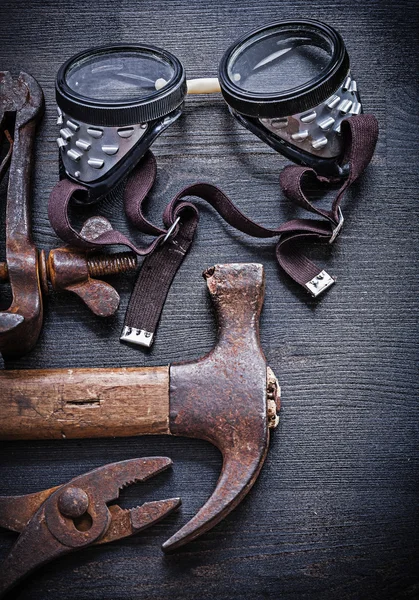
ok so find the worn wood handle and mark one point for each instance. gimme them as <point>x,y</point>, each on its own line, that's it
<point>81,403</point>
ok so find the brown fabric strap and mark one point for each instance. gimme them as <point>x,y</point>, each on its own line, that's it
<point>155,278</point>
<point>166,253</point>
<point>136,190</point>
<point>360,135</point>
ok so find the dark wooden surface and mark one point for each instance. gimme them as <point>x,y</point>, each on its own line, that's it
<point>334,512</point>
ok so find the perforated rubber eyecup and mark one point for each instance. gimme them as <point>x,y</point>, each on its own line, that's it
<point>285,82</point>
<point>113,102</point>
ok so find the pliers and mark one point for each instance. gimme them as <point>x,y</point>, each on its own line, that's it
<point>62,519</point>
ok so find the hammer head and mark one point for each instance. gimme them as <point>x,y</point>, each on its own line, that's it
<point>223,397</point>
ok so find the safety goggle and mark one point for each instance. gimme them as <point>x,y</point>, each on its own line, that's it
<point>288,82</point>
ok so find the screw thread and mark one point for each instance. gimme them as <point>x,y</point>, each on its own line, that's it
<point>99,266</point>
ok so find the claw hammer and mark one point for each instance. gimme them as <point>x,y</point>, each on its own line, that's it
<point>229,398</point>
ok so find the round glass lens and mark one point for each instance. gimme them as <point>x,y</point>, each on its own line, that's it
<point>279,59</point>
<point>119,76</point>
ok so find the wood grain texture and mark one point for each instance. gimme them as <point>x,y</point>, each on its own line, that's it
<point>81,403</point>
<point>334,511</point>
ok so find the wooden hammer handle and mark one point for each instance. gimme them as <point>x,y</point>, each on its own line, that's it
<point>81,403</point>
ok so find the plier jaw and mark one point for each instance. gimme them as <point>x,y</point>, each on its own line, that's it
<point>75,515</point>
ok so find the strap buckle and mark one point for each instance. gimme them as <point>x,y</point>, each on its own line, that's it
<point>171,230</point>
<point>338,227</point>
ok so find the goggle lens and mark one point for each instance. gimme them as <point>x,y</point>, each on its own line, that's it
<point>118,76</point>
<point>280,59</point>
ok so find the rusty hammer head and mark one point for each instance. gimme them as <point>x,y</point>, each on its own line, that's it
<point>228,397</point>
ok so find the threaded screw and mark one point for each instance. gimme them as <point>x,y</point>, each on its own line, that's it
<point>97,266</point>
<point>113,264</point>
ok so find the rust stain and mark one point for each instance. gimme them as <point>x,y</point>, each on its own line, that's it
<point>223,396</point>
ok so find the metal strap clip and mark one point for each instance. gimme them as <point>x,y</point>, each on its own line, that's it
<point>338,227</point>
<point>319,283</point>
<point>140,337</point>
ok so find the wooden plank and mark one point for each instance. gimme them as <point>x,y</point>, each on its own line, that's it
<point>333,514</point>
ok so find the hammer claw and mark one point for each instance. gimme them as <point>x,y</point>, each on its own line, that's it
<point>235,481</point>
